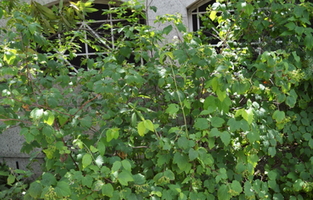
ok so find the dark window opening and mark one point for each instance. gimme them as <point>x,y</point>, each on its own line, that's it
<point>97,34</point>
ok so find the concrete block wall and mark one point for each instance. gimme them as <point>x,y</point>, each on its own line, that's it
<point>11,141</point>
<point>10,152</point>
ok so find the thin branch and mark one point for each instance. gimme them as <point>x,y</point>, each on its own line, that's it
<point>7,120</point>
<point>230,29</point>
<point>79,109</point>
<point>57,127</point>
<point>29,77</point>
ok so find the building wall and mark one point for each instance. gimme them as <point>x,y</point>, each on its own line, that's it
<point>11,141</point>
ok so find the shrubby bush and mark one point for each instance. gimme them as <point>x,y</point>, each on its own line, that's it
<point>165,120</point>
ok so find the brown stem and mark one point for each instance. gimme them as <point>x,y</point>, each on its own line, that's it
<point>56,125</point>
<point>7,120</point>
<point>224,42</point>
<point>29,78</point>
<point>79,109</point>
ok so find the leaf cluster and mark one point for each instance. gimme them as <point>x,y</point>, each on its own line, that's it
<point>167,120</point>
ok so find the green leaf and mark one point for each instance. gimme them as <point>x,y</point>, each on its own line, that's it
<point>153,8</point>
<point>236,186</point>
<point>181,27</point>
<point>214,132</point>
<point>149,125</point>
<point>126,51</point>
<point>281,97</point>
<point>24,131</point>
<point>233,124</point>
<point>213,15</point>
<point>167,29</point>
<point>52,102</point>
<point>87,159</point>
<point>311,143</point>
<point>126,164</point>
<point>112,133</point>
<point>10,56</point>
<point>10,179</point>
<point>32,28</point>
<point>193,154</point>
<point>4,173</point>
<point>183,142</point>
<point>225,137</point>
<point>253,136</point>
<point>36,113</point>
<point>240,167</point>
<point>48,131</point>
<point>298,11</point>
<point>244,125</point>
<point>172,109</point>
<point>308,41</point>
<point>48,117</point>
<point>221,94</point>
<point>124,177</point>
<point>217,121</point>
<point>248,190</point>
<point>97,186</point>
<point>169,174</point>
<point>279,115</point>
<point>35,189</point>
<point>272,151</point>
<point>1,13</point>
<point>248,116</point>
<point>201,124</point>
<point>29,137</point>
<point>86,121</point>
<point>222,193</point>
<point>291,101</point>
<point>163,159</point>
<point>134,119</point>
<point>116,166</point>
<point>249,9</point>
<point>48,179</point>
<point>290,25</point>
<point>299,31</point>
<point>210,101</point>
<point>181,160</point>
<point>298,185</point>
<point>107,190</point>
<point>141,128</point>
<point>63,189</point>
<point>99,161</point>
<point>101,148</point>
<point>87,181</point>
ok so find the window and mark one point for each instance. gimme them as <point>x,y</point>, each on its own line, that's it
<point>97,34</point>
<point>262,32</point>
<point>195,13</point>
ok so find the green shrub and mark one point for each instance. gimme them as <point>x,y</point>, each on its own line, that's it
<point>182,120</point>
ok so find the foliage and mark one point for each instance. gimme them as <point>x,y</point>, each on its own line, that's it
<point>12,184</point>
<point>161,120</point>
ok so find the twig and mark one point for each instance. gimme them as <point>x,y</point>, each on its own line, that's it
<point>79,109</point>
<point>56,125</point>
<point>230,29</point>
<point>29,78</point>
<point>7,120</point>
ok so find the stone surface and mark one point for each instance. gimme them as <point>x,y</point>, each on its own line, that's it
<point>23,164</point>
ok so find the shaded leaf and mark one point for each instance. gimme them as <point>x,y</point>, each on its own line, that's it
<point>87,159</point>
<point>124,177</point>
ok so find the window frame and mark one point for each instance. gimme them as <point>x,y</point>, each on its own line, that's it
<point>84,25</point>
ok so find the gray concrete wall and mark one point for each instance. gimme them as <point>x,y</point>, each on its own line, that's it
<point>11,141</point>
<point>168,7</point>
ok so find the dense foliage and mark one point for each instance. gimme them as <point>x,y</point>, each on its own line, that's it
<point>163,120</point>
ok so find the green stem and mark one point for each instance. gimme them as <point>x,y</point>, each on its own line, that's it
<point>180,102</point>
